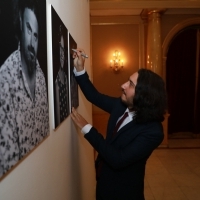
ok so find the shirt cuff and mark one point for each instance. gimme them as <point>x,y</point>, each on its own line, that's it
<point>79,73</point>
<point>86,128</point>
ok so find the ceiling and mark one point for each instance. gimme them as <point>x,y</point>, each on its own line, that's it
<point>134,7</point>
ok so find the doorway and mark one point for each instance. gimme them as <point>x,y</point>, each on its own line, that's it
<point>183,83</point>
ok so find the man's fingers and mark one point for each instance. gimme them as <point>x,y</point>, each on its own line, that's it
<point>80,50</point>
<point>75,115</point>
<point>74,112</point>
<point>78,119</point>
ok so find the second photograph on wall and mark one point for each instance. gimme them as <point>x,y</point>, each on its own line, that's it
<point>60,69</point>
<point>73,83</point>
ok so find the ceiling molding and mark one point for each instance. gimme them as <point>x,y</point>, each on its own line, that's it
<point>108,8</point>
<point>95,5</point>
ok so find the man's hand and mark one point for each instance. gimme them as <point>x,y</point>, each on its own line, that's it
<point>79,60</point>
<point>78,119</point>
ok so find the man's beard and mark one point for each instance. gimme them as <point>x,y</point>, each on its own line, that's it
<point>124,101</point>
<point>127,102</point>
<point>32,64</point>
<point>31,58</point>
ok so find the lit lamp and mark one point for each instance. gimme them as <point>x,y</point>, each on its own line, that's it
<point>116,63</point>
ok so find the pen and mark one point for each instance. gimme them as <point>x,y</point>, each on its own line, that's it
<point>84,55</point>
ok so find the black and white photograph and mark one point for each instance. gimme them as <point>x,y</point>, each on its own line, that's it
<point>24,115</point>
<point>73,83</point>
<point>60,69</point>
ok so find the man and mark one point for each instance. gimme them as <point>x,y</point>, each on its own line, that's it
<point>61,85</point>
<point>122,156</point>
<point>24,119</point>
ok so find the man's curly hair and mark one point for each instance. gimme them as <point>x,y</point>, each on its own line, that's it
<point>150,100</point>
<point>18,7</point>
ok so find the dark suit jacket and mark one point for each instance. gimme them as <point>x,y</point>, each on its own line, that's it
<point>124,156</point>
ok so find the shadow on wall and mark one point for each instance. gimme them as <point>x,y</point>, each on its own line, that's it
<point>75,165</point>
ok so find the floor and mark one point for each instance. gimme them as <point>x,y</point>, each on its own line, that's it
<point>174,173</point>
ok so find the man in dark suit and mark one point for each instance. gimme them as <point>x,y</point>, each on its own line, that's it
<point>122,156</point>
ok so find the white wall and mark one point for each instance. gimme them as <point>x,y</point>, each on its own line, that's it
<point>62,166</point>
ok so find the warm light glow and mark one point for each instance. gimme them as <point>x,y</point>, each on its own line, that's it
<point>116,63</point>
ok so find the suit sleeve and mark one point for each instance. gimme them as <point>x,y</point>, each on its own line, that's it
<point>100,100</point>
<point>137,148</point>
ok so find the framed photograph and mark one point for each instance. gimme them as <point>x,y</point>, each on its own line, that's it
<point>24,115</point>
<point>60,68</point>
<point>73,83</point>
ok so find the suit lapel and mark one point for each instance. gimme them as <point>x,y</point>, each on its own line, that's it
<point>114,116</point>
<point>128,126</point>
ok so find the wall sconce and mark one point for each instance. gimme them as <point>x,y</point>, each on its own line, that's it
<point>116,63</point>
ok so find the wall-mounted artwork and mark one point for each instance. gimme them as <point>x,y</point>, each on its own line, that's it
<point>60,68</point>
<point>24,115</point>
<point>73,83</point>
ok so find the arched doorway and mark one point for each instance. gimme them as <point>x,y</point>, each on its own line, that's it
<point>182,82</point>
<point>166,45</point>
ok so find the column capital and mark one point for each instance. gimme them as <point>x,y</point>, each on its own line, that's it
<point>147,12</point>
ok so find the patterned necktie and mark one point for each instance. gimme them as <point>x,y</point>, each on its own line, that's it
<point>119,123</point>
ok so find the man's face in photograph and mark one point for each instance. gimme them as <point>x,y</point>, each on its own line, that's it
<point>62,52</point>
<point>29,37</point>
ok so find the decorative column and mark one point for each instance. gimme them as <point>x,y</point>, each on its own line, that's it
<point>154,51</point>
<point>154,60</point>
